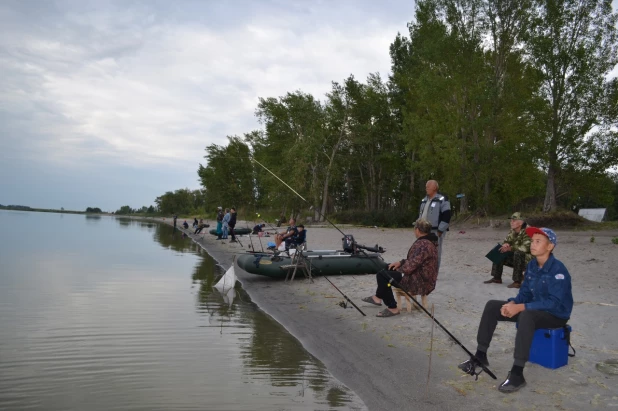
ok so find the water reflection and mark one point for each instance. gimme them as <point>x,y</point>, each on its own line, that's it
<point>103,318</point>
<point>270,351</point>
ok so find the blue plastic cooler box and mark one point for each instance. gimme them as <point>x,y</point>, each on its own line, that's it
<point>550,347</point>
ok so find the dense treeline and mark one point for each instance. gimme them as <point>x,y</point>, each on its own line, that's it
<point>181,202</point>
<point>508,103</point>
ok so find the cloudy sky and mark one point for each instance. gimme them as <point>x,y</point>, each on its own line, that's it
<point>104,104</point>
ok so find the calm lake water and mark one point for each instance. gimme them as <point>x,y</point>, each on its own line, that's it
<point>99,313</point>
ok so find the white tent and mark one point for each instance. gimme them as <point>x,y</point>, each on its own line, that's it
<point>593,214</point>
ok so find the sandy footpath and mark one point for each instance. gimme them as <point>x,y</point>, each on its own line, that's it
<point>386,360</point>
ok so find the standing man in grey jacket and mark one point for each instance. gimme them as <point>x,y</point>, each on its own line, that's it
<point>436,208</point>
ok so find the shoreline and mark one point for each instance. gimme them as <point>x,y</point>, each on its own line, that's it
<point>385,361</point>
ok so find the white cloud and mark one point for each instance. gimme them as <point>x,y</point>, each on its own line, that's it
<point>145,91</point>
<point>151,85</point>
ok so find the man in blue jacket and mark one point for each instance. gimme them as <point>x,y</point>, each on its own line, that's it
<point>545,300</point>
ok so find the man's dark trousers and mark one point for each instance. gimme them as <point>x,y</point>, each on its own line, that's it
<point>517,260</point>
<point>528,321</point>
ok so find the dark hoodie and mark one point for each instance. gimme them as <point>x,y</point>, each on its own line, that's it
<point>420,268</point>
<point>232,222</point>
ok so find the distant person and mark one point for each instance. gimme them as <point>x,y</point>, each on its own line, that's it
<point>258,228</point>
<point>185,224</point>
<point>516,248</point>
<point>286,237</point>
<point>545,300</point>
<point>301,236</point>
<point>175,217</point>
<point>200,227</point>
<point>417,273</point>
<point>219,222</point>
<point>232,223</point>
<point>225,226</point>
<point>436,208</point>
<point>195,223</point>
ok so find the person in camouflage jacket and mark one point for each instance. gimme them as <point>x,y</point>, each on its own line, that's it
<point>516,246</point>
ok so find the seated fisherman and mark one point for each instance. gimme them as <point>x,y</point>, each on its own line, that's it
<point>287,237</point>
<point>200,227</point>
<point>258,228</point>
<point>417,274</point>
<point>185,224</point>
<point>544,301</point>
<point>516,246</point>
<point>300,237</point>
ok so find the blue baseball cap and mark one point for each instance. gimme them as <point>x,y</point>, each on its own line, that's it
<point>547,232</point>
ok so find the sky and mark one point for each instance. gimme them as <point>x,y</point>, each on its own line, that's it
<point>112,103</point>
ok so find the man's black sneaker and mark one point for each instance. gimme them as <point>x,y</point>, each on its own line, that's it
<point>467,365</point>
<point>512,383</point>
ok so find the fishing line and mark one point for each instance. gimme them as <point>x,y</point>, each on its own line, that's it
<point>474,361</point>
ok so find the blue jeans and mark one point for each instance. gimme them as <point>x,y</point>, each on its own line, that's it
<point>225,229</point>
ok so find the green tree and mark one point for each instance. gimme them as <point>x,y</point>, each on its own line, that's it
<point>294,132</point>
<point>125,210</point>
<point>572,43</point>
<point>228,176</point>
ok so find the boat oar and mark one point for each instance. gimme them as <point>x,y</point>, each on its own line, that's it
<point>345,296</point>
<point>475,361</point>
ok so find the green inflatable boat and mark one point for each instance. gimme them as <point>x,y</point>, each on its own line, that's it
<point>237,231</point>
<point>322,262</point>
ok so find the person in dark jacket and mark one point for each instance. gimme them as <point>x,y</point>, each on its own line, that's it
<point>185,224</point>
<point>258,228</point>
<point>232,223</point>
<point>300,237</point>
<point>417,274</point>
<point>545,300</point>
<point>200,227</point>
<point>286,237</point>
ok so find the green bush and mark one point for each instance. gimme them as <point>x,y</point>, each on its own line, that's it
<point>392,218</point>
<point>615,240</point>
<point>556,219</point>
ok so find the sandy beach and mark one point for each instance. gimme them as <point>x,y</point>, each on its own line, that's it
<point>386,360</point>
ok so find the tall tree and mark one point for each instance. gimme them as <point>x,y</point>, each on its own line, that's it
<point>573,45</point>
<point>228,175</point>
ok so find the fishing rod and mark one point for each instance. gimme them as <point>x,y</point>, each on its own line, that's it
<point>474,362</point>
<point>266,222</point>
<point>236,237</point>
<point>345,296</point>
<point>301,197</point>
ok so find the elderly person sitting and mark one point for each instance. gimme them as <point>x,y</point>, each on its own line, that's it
<point>417,274</point>
<point>516,247</point>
